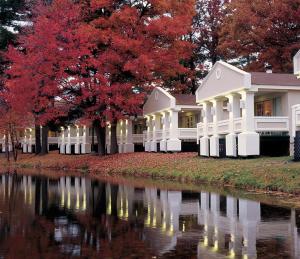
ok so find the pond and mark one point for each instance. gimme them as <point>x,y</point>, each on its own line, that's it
<point>80,217</point>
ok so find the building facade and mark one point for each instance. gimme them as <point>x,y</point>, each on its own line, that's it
<point>171,122</point>
<point>246,114</point>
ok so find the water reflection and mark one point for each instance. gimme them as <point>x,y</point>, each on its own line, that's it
<point>77,216</point>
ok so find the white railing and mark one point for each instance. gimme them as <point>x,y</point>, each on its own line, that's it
<point>237,124</point>
<point>271,123</point>
<point>137,138</point>
<point>187,133</point>
<point>167,133</point>
<point>223,127</point>
<point>53,140</point>
<point>158,134</point>
<point>210,128</point>
<point>295,119</point>
<point>298,116</point>
<point>200,129</point>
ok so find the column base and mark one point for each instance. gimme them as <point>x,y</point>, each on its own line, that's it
<point>121,148</point>
<point>108,149</point>
<point>214,146</point>
<point>231,148</point>
<point>153,146</point>
<point>86,148</point>
<point>77,149</point>
<point>128,148</point>
<point>163,146</point>
<point>248,144</point>
<point>24,148</point>
<point>68,149</point>
<point>29,148</point>
<point>148,146</point>
<point>174,145</point>
<point>62,149</point>
<point>204,146</point>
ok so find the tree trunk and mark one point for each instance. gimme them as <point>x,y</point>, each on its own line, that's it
<point>7,146</point>
<point>93,139</point>
<point>38,146</point>
<point>14,142</point>
<point>45,131</point>
<point>113,139</point>
<point>100,133</point>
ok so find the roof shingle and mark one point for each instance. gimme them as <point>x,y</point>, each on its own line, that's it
<point>261,78</point>
<point>185,99</point>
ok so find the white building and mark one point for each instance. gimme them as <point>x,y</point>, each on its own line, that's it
<point>171,121</point>
<point>81,139</point>
<point>246,114</point>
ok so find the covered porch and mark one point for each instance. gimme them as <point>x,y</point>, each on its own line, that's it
<point>171,122</point>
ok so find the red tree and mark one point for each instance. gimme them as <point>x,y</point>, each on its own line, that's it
<point>133,47</point>
<point>101,64</point>
<point>259,32</point>
<point>36,73</point>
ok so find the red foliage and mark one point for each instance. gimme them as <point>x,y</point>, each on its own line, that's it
<point>36,73</point>
<point>260,32</point>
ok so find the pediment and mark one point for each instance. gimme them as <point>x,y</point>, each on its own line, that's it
<point>222,79</point>
<point>158,100</point>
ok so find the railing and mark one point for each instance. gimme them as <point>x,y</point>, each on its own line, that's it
<point>237,125</point>
<point>295,119</point>
<point>223,127</point>
<point>210,128</point>
<point>137,138</point>
<point>298,116</point>
<point>158,134</point>
<point>271,123</point>
<point>53,140</point>
<point>187,133</point>
<point>167,133</point>
<point>200,129</point>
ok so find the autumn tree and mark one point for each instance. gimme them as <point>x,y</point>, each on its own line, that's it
<point>134,45</point>
<point>13,17</point>
<point>35,75</point>
<point>259,32</point>
<point>205,36</point>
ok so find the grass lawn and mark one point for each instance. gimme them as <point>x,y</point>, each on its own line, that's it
<point>271,174</point>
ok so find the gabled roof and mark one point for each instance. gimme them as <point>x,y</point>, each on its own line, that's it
<point>185,99</point>
<point>276,79</point>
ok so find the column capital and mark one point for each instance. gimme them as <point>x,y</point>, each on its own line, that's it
<point>232,95</point>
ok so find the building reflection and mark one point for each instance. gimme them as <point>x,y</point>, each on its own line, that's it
<point>86,213</point>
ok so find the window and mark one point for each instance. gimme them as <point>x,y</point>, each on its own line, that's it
<point>264,108</point>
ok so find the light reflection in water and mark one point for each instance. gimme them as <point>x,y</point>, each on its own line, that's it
<point>77,216</point>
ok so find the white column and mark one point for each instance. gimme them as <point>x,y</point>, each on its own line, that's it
<point>68,145</point>
<point>248,140</point>
<point>149,136</point>
<point>121,135</point>
<point>174,143</point>
<point>156,123</point>
<point>25,142</point>
<point>128,146</point>
<point>214,140</point>
<point>77,145</point>
<point>165,122</point>
<point>234,112</point>
<point>204,141</point>
<point>62,141</point>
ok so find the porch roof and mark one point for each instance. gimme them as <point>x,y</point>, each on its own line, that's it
<point>276,79</point>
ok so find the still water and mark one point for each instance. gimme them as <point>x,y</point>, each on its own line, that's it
<point>79,217</point>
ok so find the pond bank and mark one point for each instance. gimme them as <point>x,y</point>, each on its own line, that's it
<point>260,174</point>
